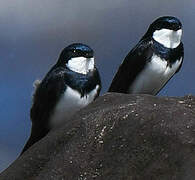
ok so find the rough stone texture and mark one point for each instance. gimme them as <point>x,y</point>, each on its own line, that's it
<point>118,137</point>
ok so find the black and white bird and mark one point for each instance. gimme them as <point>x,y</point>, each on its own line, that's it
<point>153,61</point>
<point>71,84</point>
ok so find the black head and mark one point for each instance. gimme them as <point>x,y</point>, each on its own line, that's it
<point>75,50</point>
<point>165,22</point>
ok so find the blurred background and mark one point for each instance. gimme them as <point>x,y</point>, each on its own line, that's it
<point>32,34</point>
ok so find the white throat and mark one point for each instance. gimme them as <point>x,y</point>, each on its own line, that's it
<point>168,38</point>
<point>81,64</point>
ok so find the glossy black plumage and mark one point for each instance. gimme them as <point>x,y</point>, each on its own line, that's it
<point>136,60</point>
<point>54,85</point>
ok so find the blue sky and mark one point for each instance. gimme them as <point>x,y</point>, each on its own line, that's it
<point>32,34</point>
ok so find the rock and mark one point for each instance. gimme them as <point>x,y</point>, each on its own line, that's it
<point>118,137</point>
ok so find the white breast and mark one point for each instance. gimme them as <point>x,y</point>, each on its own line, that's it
<point>154,76</point>
<point>69,103</point>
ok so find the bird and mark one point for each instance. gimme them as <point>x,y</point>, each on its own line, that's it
<point>71,84</point>
<point>153,61</point>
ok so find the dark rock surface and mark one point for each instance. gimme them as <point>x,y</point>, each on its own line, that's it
<point>118,137</point>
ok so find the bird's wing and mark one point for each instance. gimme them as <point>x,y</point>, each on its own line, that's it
<point>97,81</point>
<point>46,96</point>
<point>44,99</point>
<point>133,63</point>
<point>181,49</point>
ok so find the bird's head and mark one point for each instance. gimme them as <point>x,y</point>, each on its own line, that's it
<point>78,58</point>
<point>166,30</point>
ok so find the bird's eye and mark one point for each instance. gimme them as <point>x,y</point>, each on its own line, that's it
<point>74,51</point>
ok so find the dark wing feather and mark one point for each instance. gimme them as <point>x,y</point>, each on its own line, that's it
<point>97,80</point>
<point>46,96</point>
<point>182,56</point>
<point>44,100</point>
<point>131,67</point>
